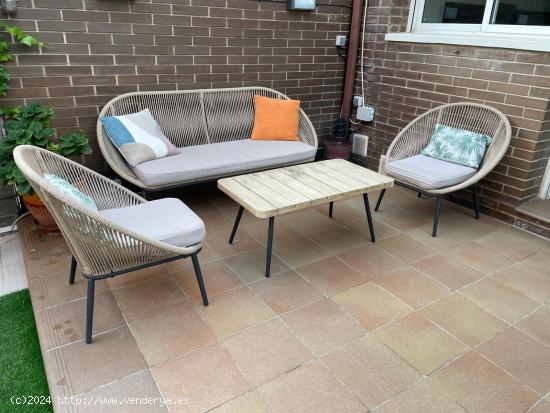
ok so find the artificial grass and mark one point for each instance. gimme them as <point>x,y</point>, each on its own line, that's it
<point>21,366</point>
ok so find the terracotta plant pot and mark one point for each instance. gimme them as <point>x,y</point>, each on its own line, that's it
<point>337,150</point>
<point>40,213</point>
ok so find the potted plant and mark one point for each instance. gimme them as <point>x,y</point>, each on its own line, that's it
<point>30,125</point>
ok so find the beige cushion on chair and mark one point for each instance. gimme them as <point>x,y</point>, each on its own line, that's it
<point>166,220</point>
<point>426,172</point>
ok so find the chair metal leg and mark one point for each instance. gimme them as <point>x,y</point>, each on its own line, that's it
<point>236,225</point>
<point>200,281</point>
<point>90,310</point>
<point>475,191</point>
<point>269,246</point>
<point>380,197</point>
<point>369,217</point>
<point>438,205</point>
<point>73,271</point>
<point>330,209</point>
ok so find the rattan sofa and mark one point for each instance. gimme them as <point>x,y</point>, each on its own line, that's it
<point>212,129</point>
<point>428,179</point>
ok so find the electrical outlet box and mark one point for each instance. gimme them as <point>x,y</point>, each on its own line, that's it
<point>357,101</point>
<point>360,144</point>
<point>365,113</point>
<point>341,41</point>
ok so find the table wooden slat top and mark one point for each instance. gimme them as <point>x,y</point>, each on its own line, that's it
<point>288,189</point>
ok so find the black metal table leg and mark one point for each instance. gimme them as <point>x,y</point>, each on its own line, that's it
<point>369,217</point>
<point>269,246</point>
<point>330,209</point>
<point>380,198</point>
<point>236,225</point>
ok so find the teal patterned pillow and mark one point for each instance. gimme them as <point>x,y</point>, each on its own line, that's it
<point>457,146</point>
<point>67,188</point>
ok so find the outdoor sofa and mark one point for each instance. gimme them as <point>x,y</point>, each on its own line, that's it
<point>211,129</point>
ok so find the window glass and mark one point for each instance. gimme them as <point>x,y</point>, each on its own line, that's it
<point>454,11</point>
<point>522,12</point>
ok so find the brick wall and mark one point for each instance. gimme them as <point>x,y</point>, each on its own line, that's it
<point>406,79</point>
<point>101,48</point>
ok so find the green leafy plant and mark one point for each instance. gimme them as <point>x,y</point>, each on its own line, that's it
<point>19,36</point>
<point>30,125</point>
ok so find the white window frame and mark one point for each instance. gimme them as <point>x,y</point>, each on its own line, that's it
<point>520,37</point>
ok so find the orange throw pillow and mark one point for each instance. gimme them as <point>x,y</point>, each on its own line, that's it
<point>275,119</point>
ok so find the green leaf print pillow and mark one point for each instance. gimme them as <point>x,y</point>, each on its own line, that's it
<point>457,146</point>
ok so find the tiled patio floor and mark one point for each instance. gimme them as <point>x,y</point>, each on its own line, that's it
<point>459,323</point>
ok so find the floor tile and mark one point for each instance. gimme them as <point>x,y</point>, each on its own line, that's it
<point>512,243</point>
<point>342,213</point>
<point>308,389</point>
<point>532,283</point>
<point>371,261</point>
<point>453,273</point>
<point>55,289</point>
<point>539,261</point>
<point>331,275</point>
<point>371,305</point>
<point>381,229</point>
<point>206,255</point>
<point>171,334</point>
<point>247,403</point>
<point>481,387</point>
<point>66,323</point>
<point>149,298</point>
<point>56,258</point>
<point>216,222</point>
<point>139,276</point>
<point>233,311</point>
<point>406,248</point>
<point>323,326</point>
<point>463,319</point>
<point>299,251</point>
<point>306,221</point>
<point>219,242</point>
<point>139,386</point>
<point>258,229</point>
<point>285,292</point>
<point>537,324</point>
<point>525,358</point>
<point>422,398</point>
<point>481,257</point>
<point>250,266</point>
<point>371,371</point>
<point>541,407</point>
<point>207,378</point>
<point>266,351</point>
<point>412,286</point>
<point>217,276</point>
<point>500,300</point>
<point>397,217</point>
<point>81,367</point>
<point>338,238</point>
<point>421,343</point>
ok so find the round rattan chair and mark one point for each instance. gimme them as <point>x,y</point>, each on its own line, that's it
<point>100,247</point>
<point>416,135</point>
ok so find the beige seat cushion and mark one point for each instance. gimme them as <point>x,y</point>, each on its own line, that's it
<point>426,172</point>
<point>166,220</point>
<point>201,162</point>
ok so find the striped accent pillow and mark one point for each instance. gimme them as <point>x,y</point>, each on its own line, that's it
<point>138,137</point>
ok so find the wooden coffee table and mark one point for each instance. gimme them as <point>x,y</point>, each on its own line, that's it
<point>280,191</point>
